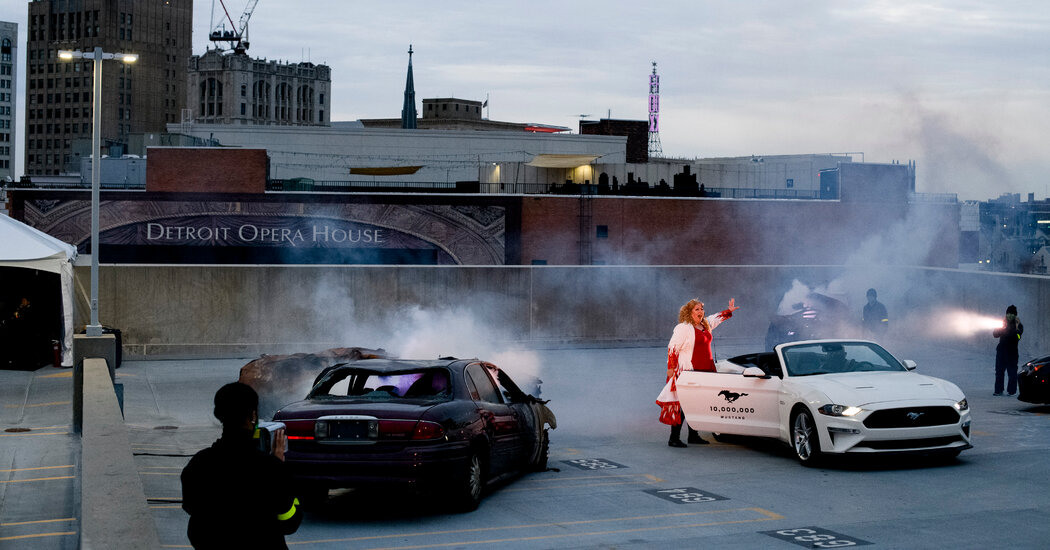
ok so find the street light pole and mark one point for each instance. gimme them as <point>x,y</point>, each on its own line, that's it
<point>95,329</point>
<point>96,55</point>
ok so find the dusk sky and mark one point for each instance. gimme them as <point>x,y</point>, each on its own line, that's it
<point>960,87</point>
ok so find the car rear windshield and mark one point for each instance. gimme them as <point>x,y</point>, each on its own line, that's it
<point>831,358</point>
<point>430,383</point>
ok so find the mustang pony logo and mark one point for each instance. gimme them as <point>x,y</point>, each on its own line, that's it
<point>730,396</point>
<point>915,416</point>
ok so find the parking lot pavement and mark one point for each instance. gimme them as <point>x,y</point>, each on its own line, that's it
<point>614,481</point>
<point>38,460</point>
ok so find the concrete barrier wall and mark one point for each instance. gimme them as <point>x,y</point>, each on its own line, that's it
<point>237,311</point>
<point>114,513</point>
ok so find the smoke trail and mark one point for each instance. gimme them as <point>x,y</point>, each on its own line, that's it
<point>956,160</point>
<point>459,332</point>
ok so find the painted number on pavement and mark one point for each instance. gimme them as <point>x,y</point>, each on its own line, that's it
<point>593,464</point>
<point>685,495</point>
<point>815,537</point>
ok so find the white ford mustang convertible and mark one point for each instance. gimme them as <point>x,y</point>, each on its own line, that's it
<point>829,396</point>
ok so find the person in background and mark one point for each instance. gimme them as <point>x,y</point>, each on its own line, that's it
<point>875,320</point>
<point>688,349</point>
<point>237,496</point>
<point>1006,352</point>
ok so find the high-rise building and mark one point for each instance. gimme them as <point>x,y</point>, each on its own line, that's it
<point>137,98</point>
<point>234,88</point>
<point>8,101</point>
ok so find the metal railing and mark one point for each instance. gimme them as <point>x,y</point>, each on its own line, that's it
<point>933,197</point>
<point>74,185</point>
<point>633,188</point>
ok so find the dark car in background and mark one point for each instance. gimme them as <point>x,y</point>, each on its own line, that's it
<point>1033,381</point>
<point>445,425</point>
<point>818,316</point>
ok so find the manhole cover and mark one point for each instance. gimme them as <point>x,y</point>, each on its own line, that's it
<point>16,430</point>
<point>166,428</point>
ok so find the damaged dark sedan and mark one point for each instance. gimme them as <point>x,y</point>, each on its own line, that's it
<point>447,425</point>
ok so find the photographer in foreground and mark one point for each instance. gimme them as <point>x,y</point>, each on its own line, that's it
<point>236,495</point>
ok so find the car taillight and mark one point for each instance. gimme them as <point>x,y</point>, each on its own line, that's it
<point>299,429</point>
<point>396,429</point>
<point>428,430</point>
<point>410,429</point>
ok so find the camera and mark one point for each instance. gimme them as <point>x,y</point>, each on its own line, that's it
<point>268,435</point>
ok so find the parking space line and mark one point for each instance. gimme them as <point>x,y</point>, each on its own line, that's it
<point>37,479</point>
<point>648,478</point>
<point>39,535</point>
<point>160,473</point>
<point>30,434</point>
<point>766,516</point>
<point>582,478</point>
<point>573,486</point>
<point>51,404</point>
<point>12,524</point>
<point>36,468</point>
<point>67,374</point>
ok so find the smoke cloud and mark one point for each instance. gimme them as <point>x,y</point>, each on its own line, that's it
<point>956,159</point>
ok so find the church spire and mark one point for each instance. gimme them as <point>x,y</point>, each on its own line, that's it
<point>408,111</point>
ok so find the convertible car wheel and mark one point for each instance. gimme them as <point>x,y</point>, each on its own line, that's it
<point>804,439</point>
<point>467,489</point>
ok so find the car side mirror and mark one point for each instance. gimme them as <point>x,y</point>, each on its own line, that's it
<point>909,364</point>
<point>755,372</point>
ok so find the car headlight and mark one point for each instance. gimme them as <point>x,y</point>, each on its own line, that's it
<point>839,410</point>
<point>962,405</point>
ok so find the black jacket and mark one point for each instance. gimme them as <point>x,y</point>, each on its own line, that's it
<point>1008,336</point>
<point>238,497</point>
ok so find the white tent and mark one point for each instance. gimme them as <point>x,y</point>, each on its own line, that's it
<point>26,247</point>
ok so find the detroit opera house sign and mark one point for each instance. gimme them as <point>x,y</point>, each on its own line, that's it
<point>248,233</point>
<point>163,228</point>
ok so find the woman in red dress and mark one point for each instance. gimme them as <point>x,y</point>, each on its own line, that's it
<point>689,349</point>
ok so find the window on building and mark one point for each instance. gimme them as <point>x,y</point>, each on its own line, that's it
<point>602,232</point>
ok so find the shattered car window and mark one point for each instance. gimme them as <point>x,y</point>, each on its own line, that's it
<point>424,383</point>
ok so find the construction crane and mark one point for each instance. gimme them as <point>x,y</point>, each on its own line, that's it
<point>238,37</point>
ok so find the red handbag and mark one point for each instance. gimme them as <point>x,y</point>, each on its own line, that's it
<point>671,414</point>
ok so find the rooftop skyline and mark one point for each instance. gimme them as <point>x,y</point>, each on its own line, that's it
<point>962,88</point>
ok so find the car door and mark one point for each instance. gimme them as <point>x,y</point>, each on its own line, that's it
<point>502,422</point>
<point>730,403</point>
